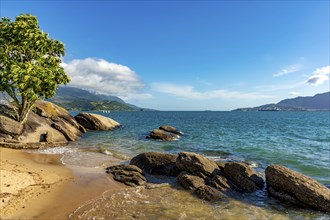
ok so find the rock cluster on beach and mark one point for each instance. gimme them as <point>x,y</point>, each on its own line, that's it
<point>217,181</point>
<point>49,125</point>
<point>165,133</point>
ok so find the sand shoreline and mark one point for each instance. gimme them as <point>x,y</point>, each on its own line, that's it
<point>39,186</point>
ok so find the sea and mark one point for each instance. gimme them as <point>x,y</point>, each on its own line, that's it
<point>298,140</point>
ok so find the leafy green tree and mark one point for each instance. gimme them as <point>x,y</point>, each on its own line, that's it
<point>29,64</point>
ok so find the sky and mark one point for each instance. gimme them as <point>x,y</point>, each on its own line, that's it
<point>190,55</point>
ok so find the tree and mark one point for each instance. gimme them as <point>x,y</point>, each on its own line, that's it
<point>29,64</point>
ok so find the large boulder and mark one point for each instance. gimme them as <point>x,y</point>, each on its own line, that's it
<point>196,164</point>
<point>157,163</point>
<point>165,133</point>
<point>9,126</point>
<point>243,176</point>
<point>47,123</point>
<point>170,129</point>
<point>197,185</point>
<point>288,185</point>
<point>128,174</point>
<point>159,134</point>
<point>96,122</point>
<point>52,111</point>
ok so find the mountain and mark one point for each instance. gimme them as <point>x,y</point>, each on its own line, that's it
<point>66,93</point>
<point>79,99</point>
<point>318,102</point>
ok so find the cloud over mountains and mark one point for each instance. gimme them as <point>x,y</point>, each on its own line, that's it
<point>319,76</point>
<point>105,77</point>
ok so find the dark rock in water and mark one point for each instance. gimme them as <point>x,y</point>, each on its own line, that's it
<point>243,176</point>
<point>157,163</point>
<point>220,183</point>
<point>96,122</point>
<point>197,185</point>
<point>196,164</point>
<point>129,174</point>
<point>189,181</point>
<point>288,185</point>
<point>170,129</point>
<point>162,135</point>
<point>165,133</point>
<point>209,193</point>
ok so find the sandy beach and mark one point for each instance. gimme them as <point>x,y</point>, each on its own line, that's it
<point>29,182</point>
<point>38,186</point>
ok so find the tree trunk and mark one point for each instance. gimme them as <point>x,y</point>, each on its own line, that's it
<point>25,109</point>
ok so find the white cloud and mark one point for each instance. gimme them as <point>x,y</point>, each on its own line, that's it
<point>289,69</point>
<point>319,76</point>
<point>105,77</point>
<point>188,92</point>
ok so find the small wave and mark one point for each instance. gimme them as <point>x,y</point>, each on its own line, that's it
<point>55,150</point>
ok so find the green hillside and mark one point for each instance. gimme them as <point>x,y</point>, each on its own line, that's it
<point>78,99</point>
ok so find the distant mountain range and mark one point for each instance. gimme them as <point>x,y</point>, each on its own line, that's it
<point>79,99</point>
<point>318,102</point>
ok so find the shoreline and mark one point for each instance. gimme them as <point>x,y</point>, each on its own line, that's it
<point>39,186</point>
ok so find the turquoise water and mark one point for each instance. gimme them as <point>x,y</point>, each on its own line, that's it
<point>299,140</point>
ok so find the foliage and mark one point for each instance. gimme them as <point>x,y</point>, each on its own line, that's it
<point>88,105</point>
<point>29,63</point>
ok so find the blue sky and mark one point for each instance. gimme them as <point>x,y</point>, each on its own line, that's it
<point>190,55</point>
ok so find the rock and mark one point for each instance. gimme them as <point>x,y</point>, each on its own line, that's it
<point>288,185</point>
<point>220,183</point>
<point>82,128</point>
<point>52,111</point>
<point>9,126</point>
<point>39,129</point>
<point>221,165</point>
<point>209,193</point>
<point>189,181</point>
<point>197,185</point>
<point>196,164</point>
<point>170,129</point>
<point>159,134</point>
<point>165,133</point>
<point>66,129</point>
<point>96,122</point>
<point>47,123</point>
<point>128,174</point>
<point>157,163</point>
<point>243,176</point>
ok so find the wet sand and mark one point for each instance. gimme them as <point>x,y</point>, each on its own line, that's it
<point>38,186</point>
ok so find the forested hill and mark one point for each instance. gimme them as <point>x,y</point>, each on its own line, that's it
<point>318,102</point>
<point>79,99</point>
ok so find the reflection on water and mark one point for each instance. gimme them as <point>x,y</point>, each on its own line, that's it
<point>172,203</point>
